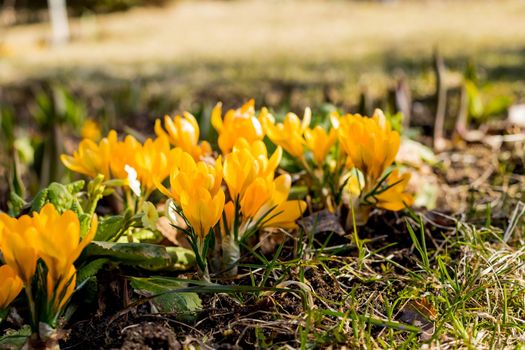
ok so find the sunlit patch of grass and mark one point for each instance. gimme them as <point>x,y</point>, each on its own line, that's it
<point>471,281</point>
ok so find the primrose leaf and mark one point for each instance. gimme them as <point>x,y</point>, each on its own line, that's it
<point>15,339</point>
<point>143,255</point>
<point>109,227</point>
<point>60,196</point>
<point>90,270</point>
<point>182,258</point>
<point>75,187</point>
<point>15,203</point>
<point>167,299</point>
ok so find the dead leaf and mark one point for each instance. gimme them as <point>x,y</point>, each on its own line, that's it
<point>322,221</point>
<point>420,313</point>
<point>172,234</point>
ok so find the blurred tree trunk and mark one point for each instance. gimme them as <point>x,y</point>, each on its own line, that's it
<point>8,15</point>
<point>59,23</point>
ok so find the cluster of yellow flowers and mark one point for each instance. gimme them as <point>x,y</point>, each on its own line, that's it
<point>127,160</point>
<point>371,146</point>
<point>184,132</point>
<point>241,122</point>
<point>55,239</point>
<point>254,197</point>
<point>296,136</point>
<point>238,192</point>
<point>196,188</point>
<point>262,199</point>
<point>243,190</point>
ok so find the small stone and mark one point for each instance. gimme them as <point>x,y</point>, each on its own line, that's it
<point>517,114</point>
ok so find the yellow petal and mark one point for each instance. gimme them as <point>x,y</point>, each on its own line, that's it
<point>216,117</point>
<point>286,214</point>
<point>10,286</point>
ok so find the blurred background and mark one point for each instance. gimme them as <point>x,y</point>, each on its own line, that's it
<point>124,63</point>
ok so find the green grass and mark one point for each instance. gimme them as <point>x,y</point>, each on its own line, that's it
<point>472,281</point>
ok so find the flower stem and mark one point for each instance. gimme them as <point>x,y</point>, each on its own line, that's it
<point>357,240</point>
<point>32,308</point>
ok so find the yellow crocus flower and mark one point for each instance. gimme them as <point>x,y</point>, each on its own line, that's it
<point>18,245</point>
<point>60,245</point>
<point>188,175</point>
<point>240,170</point>
<point>179,180</point>
<point>286,214</point>
<point>289,133</point>
<point>202,209</point>
<point>265,166</point>
<point>395,197</point>
<point>10,286</point>
<point>122,153</point>
<point>369,143</point>
<point>49,235</point>
<point>257,194</point>
<point>229,214</point>
<point>90,158</point>
<point>249,175</point>
<point>91,130</point>
<point>279,211</point>
<point>60,290</point>
<point>246,162</point>
<point>237,123</point>
<point>196,188</point>
<point>319,142</point>
<point>184,132</point>
<point>153,162</point>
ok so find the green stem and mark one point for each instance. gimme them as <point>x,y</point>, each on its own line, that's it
<point>32,308</point>
<point>318,186</point>
<point>201,260</point>
<point>358,242</point>
<point>92,205</point>
<point>129,201</point>
<point>3,314</point>
<point>142,199</point>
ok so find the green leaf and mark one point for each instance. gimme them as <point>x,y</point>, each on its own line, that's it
<point>147,236</point>
<point>59,195</point>
<point>15,204</point>
<point>16,339</point>
<point>75,187</point>
<point>475,102</point>
<point>168,300</point>
<point>40,200</point>
<point>144,255</point>
<point>85,223</point>
<point>182,258</point>
<point>90,270</point>
<point>498,106</point>
<point>109,227</point>
<point>3,314</point>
